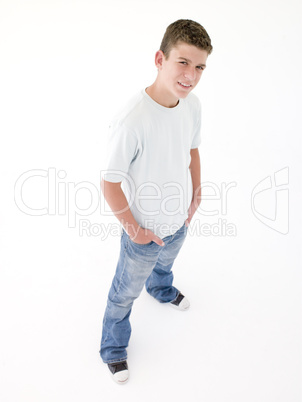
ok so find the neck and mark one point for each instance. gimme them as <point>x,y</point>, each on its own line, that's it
<point>159,95</point>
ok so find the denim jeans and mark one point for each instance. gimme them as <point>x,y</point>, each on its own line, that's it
<point>138,265</point>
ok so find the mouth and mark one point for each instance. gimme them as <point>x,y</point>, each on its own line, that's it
<point>184,85</point>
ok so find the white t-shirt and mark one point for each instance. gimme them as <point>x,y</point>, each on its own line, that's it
<point>149,151</point>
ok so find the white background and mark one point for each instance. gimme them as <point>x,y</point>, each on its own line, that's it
<point>66,67</point>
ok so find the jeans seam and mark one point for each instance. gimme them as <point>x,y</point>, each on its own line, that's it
<point>123,270</point>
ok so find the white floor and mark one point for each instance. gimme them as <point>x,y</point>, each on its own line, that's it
<point>240,340</point>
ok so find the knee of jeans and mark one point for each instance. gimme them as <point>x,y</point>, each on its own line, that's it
<point>121,301</point>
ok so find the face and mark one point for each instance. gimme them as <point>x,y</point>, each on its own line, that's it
<point>181,72</point>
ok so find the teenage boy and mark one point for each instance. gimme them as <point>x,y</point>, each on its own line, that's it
<point>152,184</point>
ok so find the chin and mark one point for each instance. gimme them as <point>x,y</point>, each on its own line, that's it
<point>183,93</point>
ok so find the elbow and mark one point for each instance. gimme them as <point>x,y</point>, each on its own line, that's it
<point>109,187</point>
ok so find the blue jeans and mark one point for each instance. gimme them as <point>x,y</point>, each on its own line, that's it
<point>138,265</point>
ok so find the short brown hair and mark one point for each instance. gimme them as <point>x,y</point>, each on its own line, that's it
<point>186,31</point>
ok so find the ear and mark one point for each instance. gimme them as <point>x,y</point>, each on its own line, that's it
<point>159,57</point>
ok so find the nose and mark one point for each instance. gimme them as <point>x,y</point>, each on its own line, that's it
<point>190,73</point>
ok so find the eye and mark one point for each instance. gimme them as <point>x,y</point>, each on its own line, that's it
<point>183,62</point>
<point>200,68</point>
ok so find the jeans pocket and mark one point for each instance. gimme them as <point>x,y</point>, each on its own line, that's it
<point>141,245</point>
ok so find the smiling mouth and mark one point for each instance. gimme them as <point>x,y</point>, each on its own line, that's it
<point>183,85</point>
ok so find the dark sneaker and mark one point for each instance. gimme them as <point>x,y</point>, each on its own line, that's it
<point>119,371</point>
<point>181,302</point>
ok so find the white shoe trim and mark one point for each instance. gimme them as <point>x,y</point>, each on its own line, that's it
<point>183,305</point>
<point>121,377</point>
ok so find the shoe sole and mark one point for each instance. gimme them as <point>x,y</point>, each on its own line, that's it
<point>120,382</point>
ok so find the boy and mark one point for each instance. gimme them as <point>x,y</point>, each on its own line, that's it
<point>153,153</point>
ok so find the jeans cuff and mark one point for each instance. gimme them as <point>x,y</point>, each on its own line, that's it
<point>175,297</point>
<point>114,360</point>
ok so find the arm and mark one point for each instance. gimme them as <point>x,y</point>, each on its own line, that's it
<point>195,174</point>
<point>118,203</point>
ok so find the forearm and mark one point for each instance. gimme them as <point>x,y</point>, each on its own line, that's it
<point>118,203</point>
<point>195,175</point>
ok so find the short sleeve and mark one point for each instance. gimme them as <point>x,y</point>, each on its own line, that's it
<point>122,147</point>
<point>196,141</point>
